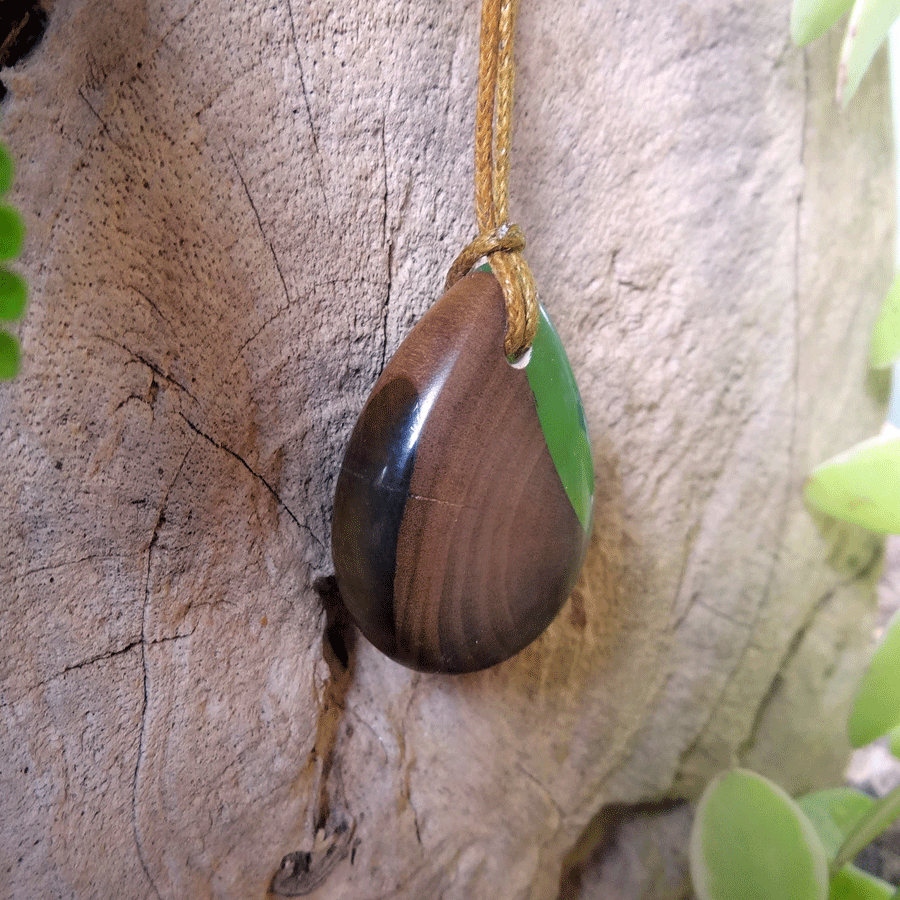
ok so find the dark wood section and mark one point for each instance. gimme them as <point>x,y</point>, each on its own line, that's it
<point>368,506</point>
<point>488,545</point>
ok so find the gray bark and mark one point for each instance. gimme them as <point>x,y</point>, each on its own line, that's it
<point>235,213</point>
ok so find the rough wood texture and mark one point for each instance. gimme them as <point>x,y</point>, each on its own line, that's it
<point>454,541</point>
<point>235,213</point>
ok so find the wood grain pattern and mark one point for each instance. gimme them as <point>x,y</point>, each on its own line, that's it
<point>454,542</point>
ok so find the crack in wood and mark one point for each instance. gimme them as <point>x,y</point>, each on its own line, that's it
<point>280,311</point>
<point>104,127</point>
<point>62,565</point>
<point>309,116</point>
<point>176,25</point>
<point>300,523</point>
<point>142,733</point>
<point>137,357</point>
<point>149,300</point>
<point>96,658</point>
<point>778,678</point>
<point>271,246</point>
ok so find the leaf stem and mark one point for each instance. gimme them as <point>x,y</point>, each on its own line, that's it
<point>882,813</point>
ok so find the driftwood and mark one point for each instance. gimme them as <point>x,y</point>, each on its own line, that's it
<point>235,213</point>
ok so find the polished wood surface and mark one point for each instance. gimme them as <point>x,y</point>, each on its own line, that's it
<point>454,542</point>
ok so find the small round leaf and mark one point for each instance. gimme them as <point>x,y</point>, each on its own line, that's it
<point>12,295</point>
<point>750,841</point>
<point>12,233</point>
<point>876,708</point>
<point>9,356</point>
<point>860,485</point>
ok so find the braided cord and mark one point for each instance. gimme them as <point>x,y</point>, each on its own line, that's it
<point>501,242</point>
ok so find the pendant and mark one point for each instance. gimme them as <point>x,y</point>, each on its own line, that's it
<point>463,506</point>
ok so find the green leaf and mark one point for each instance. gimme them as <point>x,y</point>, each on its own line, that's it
<point>851,883</point>
<point>750,841</point>
<point>810,19</point>
<point>834,813</point>
<point>868,26</point>
<point>886,334</point>
<point>9,356</point>
<point>876,707</point>
<point>881,815</point>
<point>894,741</point>
<point>12,233</point>
<point>861,485</point>
<point>12,295</point>
<point>6,170</point>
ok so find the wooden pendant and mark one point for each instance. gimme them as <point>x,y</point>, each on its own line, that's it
<point>463,505</point>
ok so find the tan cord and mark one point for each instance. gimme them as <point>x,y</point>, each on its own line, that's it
<point>501,242</point>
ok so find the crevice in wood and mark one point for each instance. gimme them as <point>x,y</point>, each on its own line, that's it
<point>22,27</point>
<point>339,640</point>
<point>338,650</point>
<point>62,565</point>
<point>302,871</point>
<point>597,838</point>
<point>278,312</point>
<point>176,25</point>
<point>543,791</point>
<point>867,570</point>
<point>778,678</point>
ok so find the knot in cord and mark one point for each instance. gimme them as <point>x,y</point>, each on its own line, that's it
<point>503,248</point>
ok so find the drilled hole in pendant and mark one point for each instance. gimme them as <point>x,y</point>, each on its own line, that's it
<point>520,361</point>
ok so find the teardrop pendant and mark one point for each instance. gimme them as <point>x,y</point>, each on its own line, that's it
<point>463,505</point>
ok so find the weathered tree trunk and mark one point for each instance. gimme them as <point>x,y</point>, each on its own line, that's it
<point>235,213</point>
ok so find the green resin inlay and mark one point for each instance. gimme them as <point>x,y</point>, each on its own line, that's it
<point>561,416</point>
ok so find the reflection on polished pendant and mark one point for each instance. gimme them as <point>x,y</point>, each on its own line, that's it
<point>464,502</point>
